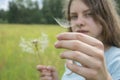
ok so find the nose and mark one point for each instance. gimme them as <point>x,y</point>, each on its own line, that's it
<point>80,22</point>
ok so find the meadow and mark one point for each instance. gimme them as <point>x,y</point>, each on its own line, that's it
<point>18,65</point>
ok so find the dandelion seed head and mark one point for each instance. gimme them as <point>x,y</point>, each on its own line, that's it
<point>35,41</point>
<point>35,45</point>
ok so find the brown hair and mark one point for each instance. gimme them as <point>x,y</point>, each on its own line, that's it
<point>105,12</point>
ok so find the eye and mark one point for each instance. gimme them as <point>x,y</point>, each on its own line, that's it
<point>73,17</point>
<point>89,14</point>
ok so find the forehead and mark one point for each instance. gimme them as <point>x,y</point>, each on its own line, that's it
<point>78,5</point>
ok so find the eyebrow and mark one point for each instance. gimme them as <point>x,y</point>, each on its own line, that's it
<point>88,10</point>
<point>85,11</point>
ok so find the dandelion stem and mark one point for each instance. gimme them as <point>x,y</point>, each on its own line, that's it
<point>35,43</point>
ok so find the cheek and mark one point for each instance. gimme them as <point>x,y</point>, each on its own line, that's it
<point>100,29</point>
<point>97,30</point>
<point>94,25</point>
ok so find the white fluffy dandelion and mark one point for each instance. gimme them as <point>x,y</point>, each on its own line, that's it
<point>35,46</point>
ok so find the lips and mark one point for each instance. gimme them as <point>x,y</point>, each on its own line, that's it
<point>82,31</point>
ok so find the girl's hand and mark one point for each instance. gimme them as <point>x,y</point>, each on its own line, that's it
<point>47,72</point>
<point>86,50</point>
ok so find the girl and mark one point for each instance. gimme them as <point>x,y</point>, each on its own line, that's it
<point>92,43</point>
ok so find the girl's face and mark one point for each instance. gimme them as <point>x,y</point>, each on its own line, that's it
<point>81,19</point>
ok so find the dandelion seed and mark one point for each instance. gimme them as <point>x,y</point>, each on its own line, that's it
<point>62,22</point>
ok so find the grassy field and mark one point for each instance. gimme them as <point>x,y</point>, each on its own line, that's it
<point>18,65</point>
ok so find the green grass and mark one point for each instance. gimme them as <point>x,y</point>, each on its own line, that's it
<point>18,65</point>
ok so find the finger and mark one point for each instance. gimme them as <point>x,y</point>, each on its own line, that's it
<point>79,36</point>
<point>82,58</point>
<point>54,72</point>
<point>46,73</point>
<point>41,67</point>
<point>76,45</point>
<point>51,68</point>
<point>80,70</point>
